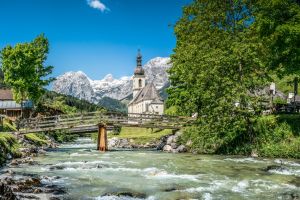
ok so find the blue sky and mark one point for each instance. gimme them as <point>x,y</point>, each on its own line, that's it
<point>97,37</point>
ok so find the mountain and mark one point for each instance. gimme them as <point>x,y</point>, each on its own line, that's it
<point>76,84</point>
<point>79,85</point>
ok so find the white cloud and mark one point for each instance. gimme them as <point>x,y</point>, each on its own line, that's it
<point>97,4</point>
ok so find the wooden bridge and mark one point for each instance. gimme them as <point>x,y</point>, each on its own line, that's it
<point>87,122</point>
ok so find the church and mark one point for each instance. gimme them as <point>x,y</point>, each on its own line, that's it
<point>146,99</point>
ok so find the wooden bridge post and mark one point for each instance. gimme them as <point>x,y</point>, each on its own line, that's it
<point>102,138</point>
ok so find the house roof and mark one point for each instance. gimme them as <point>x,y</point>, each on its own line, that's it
<point>8,104</point>
<point>6,94</point>
<point>149,92</point>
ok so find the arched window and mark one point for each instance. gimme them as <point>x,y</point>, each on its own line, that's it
<point>140,82</point>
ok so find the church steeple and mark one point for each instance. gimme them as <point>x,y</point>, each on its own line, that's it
<point>139,75</point>
<point>139,69</point>
<point>139,59</point>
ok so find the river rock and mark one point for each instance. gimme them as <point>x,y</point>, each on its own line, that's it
<point>181,149</point>
<point>254,154</point>
<point>171,139</point>
<point>14,162</point>
<point>160,146</point>
<point>42,151</point>
<point>132,194</point>
<point>167,148</point>
<point>174,145</point>
<point>111,143</point>
<point>124,143</point>
<point>178,133</point>
<point>276,167</point>
<point>8,156</point>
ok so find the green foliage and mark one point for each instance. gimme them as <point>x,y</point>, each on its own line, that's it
<point>117,130</point>
<point>226,52</point>
<point>279,101</point>
<point>62,136</point>
<point>172,110</point>
<point>218,62</point>
<point>278,23</point>
<point>113,105</point>
<point>24,70</point>
<point>285,84</point>
<point>8,126</point>
<point>8,145</point>
<point>38,139</point>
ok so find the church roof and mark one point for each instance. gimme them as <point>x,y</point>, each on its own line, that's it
<point>149,92</point>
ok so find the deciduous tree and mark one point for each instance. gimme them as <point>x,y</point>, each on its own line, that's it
<point>24,69</point>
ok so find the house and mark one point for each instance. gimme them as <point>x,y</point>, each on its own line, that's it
<point>10,108</point>
<point>146,98</point>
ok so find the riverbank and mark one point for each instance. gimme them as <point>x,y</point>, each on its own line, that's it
<point>274,136</point>
<point>271,136</point>
<point>17,151</point>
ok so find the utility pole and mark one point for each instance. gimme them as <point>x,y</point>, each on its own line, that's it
<point>295,91</point>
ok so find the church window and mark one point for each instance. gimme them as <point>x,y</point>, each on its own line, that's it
<point>140,82</point>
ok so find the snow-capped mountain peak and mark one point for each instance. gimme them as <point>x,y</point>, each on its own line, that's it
<point>108,78</point>
<point>78,84</point>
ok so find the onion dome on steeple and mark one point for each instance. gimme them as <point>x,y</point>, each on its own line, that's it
<point>139,69</point>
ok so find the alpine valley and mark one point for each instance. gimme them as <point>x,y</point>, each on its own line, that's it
<point>110,91</point>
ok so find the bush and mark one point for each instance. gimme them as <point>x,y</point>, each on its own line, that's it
<point>62,136</point>
<point>271,136</point>
<point>117,130</point>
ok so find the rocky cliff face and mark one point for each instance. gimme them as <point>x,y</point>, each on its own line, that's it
<point>79,85</point>
<point>76,84</point>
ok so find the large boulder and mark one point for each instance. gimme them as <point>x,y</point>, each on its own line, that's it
<point>124,143</point>
<point>174,145</point>
<point>181,149</point>
<point>160,146</point>
<point>113,142</point>
<point>167,148</point>
<point>172,139</point>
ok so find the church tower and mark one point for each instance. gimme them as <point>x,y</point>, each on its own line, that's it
<point>139,75</point>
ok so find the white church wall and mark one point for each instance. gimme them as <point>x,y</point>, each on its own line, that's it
<point>156,108</point>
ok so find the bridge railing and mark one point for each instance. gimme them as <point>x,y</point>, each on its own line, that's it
<point>94,118</point>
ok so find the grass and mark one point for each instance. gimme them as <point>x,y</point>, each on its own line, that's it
<point>8,144</point>
<point>8,126</point>
<point>37,139</point>
<point>141,135</point>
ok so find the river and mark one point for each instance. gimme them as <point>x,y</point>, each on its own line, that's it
<point>88,174</point>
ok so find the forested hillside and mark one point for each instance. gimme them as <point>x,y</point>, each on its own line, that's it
<point>113,105</point>
<point>53,103</point>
